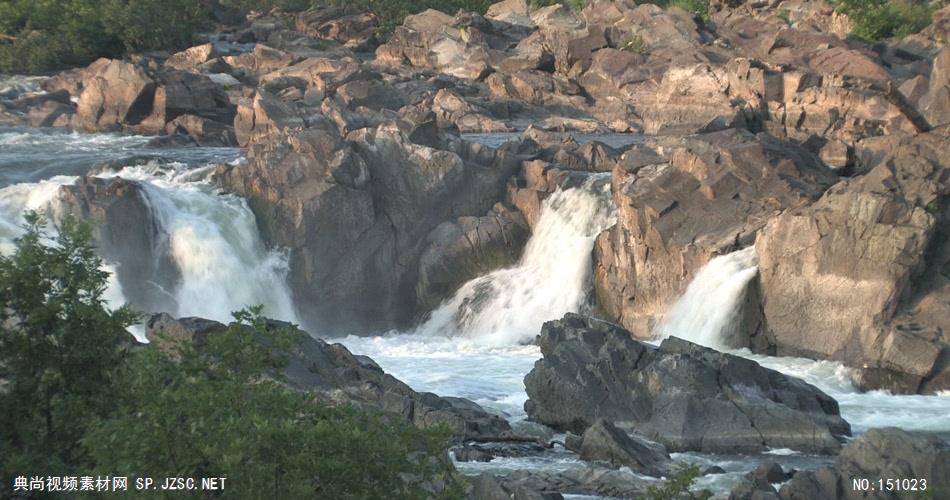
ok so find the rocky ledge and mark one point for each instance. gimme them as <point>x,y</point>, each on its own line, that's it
<point>685,396</point>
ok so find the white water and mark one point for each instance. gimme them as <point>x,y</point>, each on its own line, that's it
<point>212,238</point>
<point>707,313</point>
<point>508,306</point>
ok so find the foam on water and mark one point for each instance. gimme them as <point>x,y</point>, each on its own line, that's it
<point>508,306</point>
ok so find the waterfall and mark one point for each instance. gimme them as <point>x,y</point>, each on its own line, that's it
<point>212,240</point>
<point>508,306</point>
<point>708,312</point>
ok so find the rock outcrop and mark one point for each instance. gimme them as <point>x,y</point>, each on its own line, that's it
<point>331,372</point>
<point>905,463</point>
<point>604,442</point>
<point>682,395</point>
<point>867,262</point>
<point>681,202</point>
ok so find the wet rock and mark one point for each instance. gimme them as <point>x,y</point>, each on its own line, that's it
<point>202,132</point>
<point>331,372</point>
<point>458,251</point>
<point>127,232</point>
<point>683,395</point>
<point>603,442</point>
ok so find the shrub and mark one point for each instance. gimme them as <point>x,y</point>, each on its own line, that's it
<point>678,486</point>
<point>218,411</point>
<point>60,348</point>
<point>882,19</point>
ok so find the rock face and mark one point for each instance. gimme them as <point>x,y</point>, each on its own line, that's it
<point>128,234</point>
<point>888,454</point>
<point>117,93</point>
<point>356,213</point>
<point>867,261</point>
<point>681,202</point>
<point>330,371</point>
<point>683,395</point>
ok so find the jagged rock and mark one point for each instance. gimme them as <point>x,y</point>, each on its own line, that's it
<point>458,251</point>
<point>603,442</point>
<point>264,117</point>
<point>116,93</point>
<point>807,263</point>
<point>183,93</point>
<point>759,484</point>
<point>683,395</point>
<point>885,454</point>
<point>681,202</point>
<point>355,30</point>
<point>129,233</point>
<point>331,372</point>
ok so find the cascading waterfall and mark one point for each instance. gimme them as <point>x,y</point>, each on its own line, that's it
<point>211,238</point>
<point>508,306</point>
<point>708,312</point>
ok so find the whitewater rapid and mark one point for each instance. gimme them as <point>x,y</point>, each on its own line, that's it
<point>212,238</point>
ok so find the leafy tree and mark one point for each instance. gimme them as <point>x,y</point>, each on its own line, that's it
<point>60,348</point>
<point>219,410</point>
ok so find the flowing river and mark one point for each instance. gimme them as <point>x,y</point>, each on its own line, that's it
<point>476,345</point>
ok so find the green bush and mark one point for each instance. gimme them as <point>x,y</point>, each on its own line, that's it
<point>883,19</point>
<point>61,349</point>
<point>77,397</point>
<point>42,35</point>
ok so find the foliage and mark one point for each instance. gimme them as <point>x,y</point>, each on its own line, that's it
<point>78,397</point>
<point>220,411</point>
<point>634,43</point>
<point>60,348</point>
<point>39,35</point>
<point>678,486</point>
<point>882,19</point>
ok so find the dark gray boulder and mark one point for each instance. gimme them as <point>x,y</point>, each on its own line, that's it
<point>604,442</point>
<point>333,373</point>
<point>683,395</point>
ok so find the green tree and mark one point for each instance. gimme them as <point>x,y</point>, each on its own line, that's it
<point>882,19</point>
<point>219,410</point>
<point>60,348</point>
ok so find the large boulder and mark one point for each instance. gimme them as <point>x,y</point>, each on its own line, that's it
<point>680,394</point>
<point>884,311</point>
<point>333,373</point>
<point>117,93</point>
<point>683,201</point>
